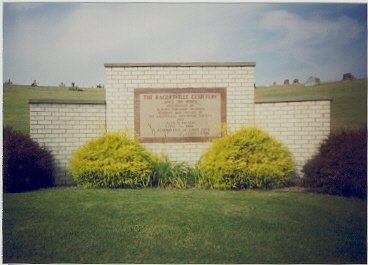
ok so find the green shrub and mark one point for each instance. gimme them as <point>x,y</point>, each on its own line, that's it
<point>173,174</point>
<point>26,165</point>
<point>249,158</point>
<point>112,161</point>
<point>340,166</point>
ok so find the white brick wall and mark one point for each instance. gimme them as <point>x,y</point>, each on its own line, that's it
<point>62,126</point>
<point>301,125</point>
<point>121,80</point>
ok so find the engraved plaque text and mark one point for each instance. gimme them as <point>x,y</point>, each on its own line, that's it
<point>179,115</point>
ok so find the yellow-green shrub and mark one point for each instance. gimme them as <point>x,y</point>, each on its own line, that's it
<point>248,158</point>
<point>112,161</point>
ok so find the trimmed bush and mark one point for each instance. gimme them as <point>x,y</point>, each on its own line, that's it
<point>248,158</point>
<point>26,165</point>
<point>340,166</point>
<point>113,160</point>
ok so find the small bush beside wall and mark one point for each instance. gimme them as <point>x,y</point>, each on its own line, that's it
<point>249,158</point>
<point>26,165</point>
<point>174,174</point>
<point>340,166</point>
<point>112,161</point>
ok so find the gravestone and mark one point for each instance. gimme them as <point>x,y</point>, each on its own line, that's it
<point>348,77</point>
<point>313,81</point>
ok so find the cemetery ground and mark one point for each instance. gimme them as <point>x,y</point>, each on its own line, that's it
<point>74,225</point>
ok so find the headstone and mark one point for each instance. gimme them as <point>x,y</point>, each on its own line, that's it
<point>296,81</point>
<point>347,77</point>
<point>313,81</point>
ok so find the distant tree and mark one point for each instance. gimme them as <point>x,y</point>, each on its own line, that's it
<point>62,84</point>
<point>34,84</point>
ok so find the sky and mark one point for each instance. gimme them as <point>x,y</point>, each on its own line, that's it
<point>71,42</point>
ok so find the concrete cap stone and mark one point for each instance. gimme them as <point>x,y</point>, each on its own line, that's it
<point>188,64</point>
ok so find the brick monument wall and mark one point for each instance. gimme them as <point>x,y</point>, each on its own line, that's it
<point>123,79</point>
<point>62,126</point>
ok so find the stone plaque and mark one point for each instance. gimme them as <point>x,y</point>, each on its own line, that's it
<point>179,115</point>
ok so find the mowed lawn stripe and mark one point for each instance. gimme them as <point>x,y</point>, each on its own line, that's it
<point>70,225</point>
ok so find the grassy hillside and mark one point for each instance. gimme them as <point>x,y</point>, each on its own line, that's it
<point>16,108</point>
<point>349,105</point>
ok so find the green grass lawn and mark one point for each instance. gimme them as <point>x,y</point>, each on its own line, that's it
<point>70,225</point>
<point>16,97</point>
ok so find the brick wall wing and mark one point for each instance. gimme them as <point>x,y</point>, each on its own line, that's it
<point>300,124</point>
<point>62,126</point>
